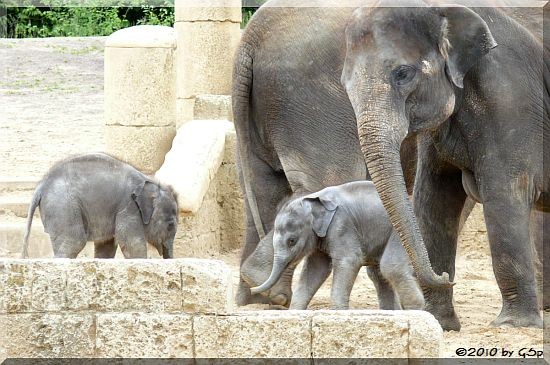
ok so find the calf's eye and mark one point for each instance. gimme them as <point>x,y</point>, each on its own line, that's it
<point>291,242</point>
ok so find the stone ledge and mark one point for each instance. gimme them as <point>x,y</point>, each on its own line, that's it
<point>86,285</point>
<point>191,164</point>
<point>255,334</point>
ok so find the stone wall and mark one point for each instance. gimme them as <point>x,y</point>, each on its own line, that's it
<point>140,95</point>
<point>181,308</point>
<point>201,167</point>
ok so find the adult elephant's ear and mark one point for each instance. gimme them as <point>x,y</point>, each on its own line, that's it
<point>144,196</point>
<point>323,209</point>
<point>464,39</point>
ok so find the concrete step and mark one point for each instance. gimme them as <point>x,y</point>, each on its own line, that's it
<point>12,233</point>
<point>8,184</point>
<point>16,203</point>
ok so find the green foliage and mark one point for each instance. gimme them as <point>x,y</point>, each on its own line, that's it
<point>30,22</point>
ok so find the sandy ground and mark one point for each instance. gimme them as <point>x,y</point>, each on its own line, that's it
<point>51,92</point>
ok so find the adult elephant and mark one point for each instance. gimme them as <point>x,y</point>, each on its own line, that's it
<point>472,85</point>
<point>296,128</point>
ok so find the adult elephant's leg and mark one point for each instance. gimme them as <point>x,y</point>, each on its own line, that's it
<point>387,300</point>
<point>315,271</point>
<point>507,211</point>
<point>438,201</point>
<point>270,187</point>
<point>105,249</point>
<point>537,238</point>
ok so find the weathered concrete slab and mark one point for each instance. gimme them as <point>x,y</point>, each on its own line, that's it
<point>268,334</point>
<point>169,286</point>
<point>138,335</point>
<point>196,154</point>
<point>51,335</point>
<point>213,107</point>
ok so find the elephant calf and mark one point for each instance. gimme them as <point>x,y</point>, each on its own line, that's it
<point>95,197</point>
<point>344,227</point>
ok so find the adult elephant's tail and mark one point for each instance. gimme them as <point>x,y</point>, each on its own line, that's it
<point>242,87</point>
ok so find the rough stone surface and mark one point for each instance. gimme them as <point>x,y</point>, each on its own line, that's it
<point>47,335</point>
<point>206,287</point>
<point>83,285</point>
<point>133,335</point>
<point>218,225</point>
<point>124,285</point>
<point>271,334</point>
<point>142,147</point>
<point>213,107</point>
<point>425,335</point>
<point>352,334</point>
<point>196,154</point>
<point>185,109</point>
<point>140,88</point>
<point>217,10</point>
<point>203,47</point>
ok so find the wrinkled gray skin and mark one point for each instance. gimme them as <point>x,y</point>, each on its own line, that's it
<point>296,128</point>
<point>95,197</point>
<point>472,86</point>
<point>345,227</point>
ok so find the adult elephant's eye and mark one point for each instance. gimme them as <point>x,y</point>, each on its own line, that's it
<point>291,242</point>
<point>403,74</point>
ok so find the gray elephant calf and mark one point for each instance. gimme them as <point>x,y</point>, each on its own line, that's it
<point>96,197</point>
<point>345,227</point>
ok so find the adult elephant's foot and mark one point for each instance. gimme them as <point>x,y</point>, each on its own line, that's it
<point>511,318</point>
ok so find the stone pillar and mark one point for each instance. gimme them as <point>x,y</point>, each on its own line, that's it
<point>208,33</point>
<point>140,95</point>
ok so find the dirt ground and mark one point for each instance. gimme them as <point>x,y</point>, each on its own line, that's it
<point>51,92</point>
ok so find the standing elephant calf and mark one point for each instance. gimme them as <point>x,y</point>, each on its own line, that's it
<point>96,197</point>
<point>345,227</point>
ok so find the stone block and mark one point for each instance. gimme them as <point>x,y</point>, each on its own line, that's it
<point>425,335</point>
<point>203,47</point>
<point>268,334</point>
<point>359,334</point>
<point>108,285</point>
<point>185,109</point>
<point>139,335</point>
<point>140,86</point>
<point>213,10</point>
<point>207,286</point>
<point>11,240</point>
<point>47,335</point>
<point>15,286</point>
<point>213,107</point>
<point>142,147</point>
<point>196,154</point>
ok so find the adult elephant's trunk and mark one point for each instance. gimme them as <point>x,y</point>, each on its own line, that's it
<point>382,128</point>
<point>279,265</point>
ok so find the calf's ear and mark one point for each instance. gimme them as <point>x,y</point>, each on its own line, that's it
<point>144,196</point>
<point>323,209</point>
